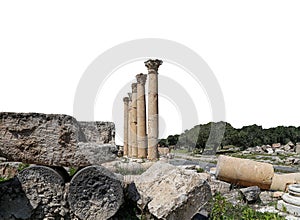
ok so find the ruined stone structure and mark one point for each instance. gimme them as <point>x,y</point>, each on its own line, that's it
<point>152,66</point>
<point>141,116</point>
<point>58,141</point>
<point>126,102</point>
<point>138,142</point>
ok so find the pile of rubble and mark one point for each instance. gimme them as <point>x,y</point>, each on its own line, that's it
<point>275,149</point>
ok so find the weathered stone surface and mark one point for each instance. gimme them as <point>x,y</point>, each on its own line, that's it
<point>9,169</point>
<point>250,194</point>
<point>35,193</point>
<point>153,119</point>
<point>133,122</point>
<point>276,145</point>
<point>141,116</point>
<point>98,132</point>
<point>90,153</point>
<point>297,148</point>
<point>125,125</point>
<point>286,207</point>
<point>281,181</point>
<point>163,151</point>
<point>266,197</point>
<point>218,186</point>
<point>168,192</point>
<point>13,201</point>
<point>291,201</point>
<point>95,193</point>
<point>55,140</point>
<point>244,172</point>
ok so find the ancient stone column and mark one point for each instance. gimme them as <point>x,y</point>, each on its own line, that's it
<point>152,66</point>
<point>244,172</point>
<point>129,126</point>
<point>141,116</point>
<point>133,124</point>
<point>95,193</point>
<point>125,149</point>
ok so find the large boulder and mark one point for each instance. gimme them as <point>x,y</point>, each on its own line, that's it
<point>168,192</point>
<point>49,139</point>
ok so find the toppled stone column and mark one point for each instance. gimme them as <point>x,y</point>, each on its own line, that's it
<point>49,139</point>
<point>153,129</point>
<point>129,125</point>
<point>141,116</point>
<point>35,193</point>
<point>244,172</point>
<point>126,102</point>
<point>95,193</point>
<point>282,181</point>
<point>134,149</point>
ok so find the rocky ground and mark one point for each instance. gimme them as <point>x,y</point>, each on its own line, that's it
<point>185,186</point>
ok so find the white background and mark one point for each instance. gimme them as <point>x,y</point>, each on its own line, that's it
<point>253,48</point>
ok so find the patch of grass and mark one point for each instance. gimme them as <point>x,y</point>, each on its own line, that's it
<point>22,166</point>
<point>2,179</point>
<point>72,171</point>
<point>200,170</point>
<point>221,209</point>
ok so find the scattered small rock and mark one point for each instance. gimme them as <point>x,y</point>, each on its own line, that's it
<point>250,194</point>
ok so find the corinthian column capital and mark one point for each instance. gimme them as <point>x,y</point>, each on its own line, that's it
<point>141,78</point>
<point>126,100</point>
<point>153,65</point>
<point>129,96</point>
<point>134,88</point>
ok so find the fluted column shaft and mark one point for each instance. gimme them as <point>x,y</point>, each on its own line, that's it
<point>134,149</point>
<point>129,126</point>
<point>141,116</point>
<point>152,66</point>
<point>125,148</point>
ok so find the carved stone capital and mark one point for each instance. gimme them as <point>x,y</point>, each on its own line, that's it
<point>130,96</point>
<point>126,100</point>
<point>134,88</point>
<point>141,78</point>
<point>153,65</point>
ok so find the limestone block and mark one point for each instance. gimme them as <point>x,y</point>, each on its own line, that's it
<point>99,132</point>
<point>169,192</point>
<point>49,139</point>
